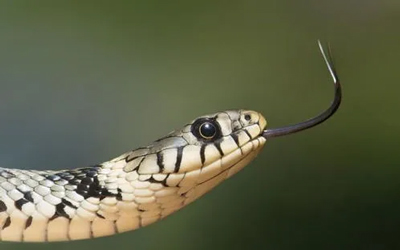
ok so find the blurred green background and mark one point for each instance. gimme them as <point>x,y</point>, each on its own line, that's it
<point>84,81</point>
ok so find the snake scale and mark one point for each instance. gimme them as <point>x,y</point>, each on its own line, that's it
<point>139,187</point>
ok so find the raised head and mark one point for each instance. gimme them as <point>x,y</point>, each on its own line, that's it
<point>206,151</point>
<point>139,187</point>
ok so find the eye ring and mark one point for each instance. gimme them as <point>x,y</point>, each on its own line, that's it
<point>206,129</point>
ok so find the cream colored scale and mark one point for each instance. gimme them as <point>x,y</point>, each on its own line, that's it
<point>139,187</point>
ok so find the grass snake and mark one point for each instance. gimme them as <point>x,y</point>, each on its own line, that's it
<point>141,186</point>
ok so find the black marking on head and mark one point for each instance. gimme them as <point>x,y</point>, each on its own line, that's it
<point>68,203</point>
<point>179,183</point>
<point>178,159</point>
<point>7,223</point>
<point>140,163</point>
<point>235,138</point>
<point>3,206</point>
<point>28,222</point>
<point>247,133</point>
<point>218,146</point>
<point>128,159</point>
<point>202,153</point>
<point>19,203</point>
<point>160,161</point>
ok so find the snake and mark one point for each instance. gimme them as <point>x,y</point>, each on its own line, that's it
<point>141,186</point>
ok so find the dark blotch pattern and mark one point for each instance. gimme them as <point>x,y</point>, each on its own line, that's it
<point>84,181</point>
<point>235,138</point>
<point>28,196</point>
<point>87,185</point>
<point>163,182</point>
<point>69,204</point>
<point>19,203</point>
<point>101,216</point>
<point>28,222</point>
<point>7,223</point>
<point>160,161</point>
<point>202,153</point>
<point>53,177</point>
<point>218,146</point>
<point>248,134</point>
<point>3,206</point>
<point>178,159</point>
<point>60,212</point>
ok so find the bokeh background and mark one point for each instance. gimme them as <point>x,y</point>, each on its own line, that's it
<point>84,81</point>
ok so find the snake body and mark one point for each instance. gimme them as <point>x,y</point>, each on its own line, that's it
<point>142,186</point>
<point>133,190</point>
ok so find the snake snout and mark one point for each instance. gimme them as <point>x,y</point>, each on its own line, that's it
<point>250,117</point>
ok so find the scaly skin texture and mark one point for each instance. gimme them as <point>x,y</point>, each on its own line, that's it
<point>131,191</point>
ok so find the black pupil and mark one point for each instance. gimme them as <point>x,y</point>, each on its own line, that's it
<point>207,130</point>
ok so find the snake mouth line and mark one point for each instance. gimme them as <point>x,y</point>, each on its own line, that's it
<point>229,168</point>
<point>234,165</point>
<point>252,152</point>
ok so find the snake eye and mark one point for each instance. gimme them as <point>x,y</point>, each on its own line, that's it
<point>206,129</point>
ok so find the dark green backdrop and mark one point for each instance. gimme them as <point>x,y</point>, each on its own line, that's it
<point>83,81</point>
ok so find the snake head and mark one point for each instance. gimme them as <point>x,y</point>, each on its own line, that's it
<point>203,153</point>
<point>221,139</point>
<point>221,136</point>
